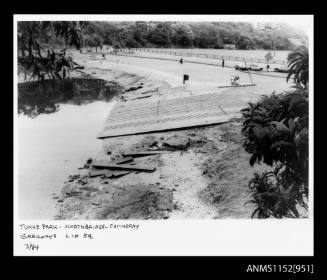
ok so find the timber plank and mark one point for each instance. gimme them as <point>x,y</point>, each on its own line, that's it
<point>107,173</point>
<point>144,153</point>
<point>96,173</point>
<point>100,164</point>
<point>129,167</point>
<point>116,174</point>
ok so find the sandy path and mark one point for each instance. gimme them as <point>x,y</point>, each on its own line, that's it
<point>181,173</point>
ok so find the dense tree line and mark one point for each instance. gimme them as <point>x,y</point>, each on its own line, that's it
<point>187,35</point>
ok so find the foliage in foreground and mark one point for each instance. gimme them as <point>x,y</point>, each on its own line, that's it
<point>299,65</point>
<point>276,132</point>
<point>40,62</point>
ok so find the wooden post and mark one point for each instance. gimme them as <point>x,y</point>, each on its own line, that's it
<point>158,106</point>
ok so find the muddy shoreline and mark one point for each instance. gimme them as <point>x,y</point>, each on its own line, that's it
<point>205,175</point>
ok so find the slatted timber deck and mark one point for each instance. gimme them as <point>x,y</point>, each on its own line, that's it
<point>137,117</point>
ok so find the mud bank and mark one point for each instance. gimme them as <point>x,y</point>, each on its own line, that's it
<point>203,174</point>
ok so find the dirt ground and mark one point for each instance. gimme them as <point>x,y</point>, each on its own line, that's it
<point>204,174</point>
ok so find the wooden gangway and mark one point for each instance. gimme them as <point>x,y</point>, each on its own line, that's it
<point>137,117</point>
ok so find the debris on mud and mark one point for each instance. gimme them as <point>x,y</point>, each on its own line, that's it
<point>200,172</point>
<point>133,88</point>
<point>177,143</point>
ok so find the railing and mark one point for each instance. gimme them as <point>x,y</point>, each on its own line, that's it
<point>201,55</point>
<point>191,54</point>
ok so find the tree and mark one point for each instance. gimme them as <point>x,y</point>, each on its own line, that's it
<point>132,43</point>
<point>140,32</point>
<point>93,41</point>
<point>88,41</point>
<point>299,65</point>
<point>161,34</point>
<point>43,62</point>
<point>98,42</point>
<point>215,38</point>
<point>201,36</point>
<point>182,35</point>
<point>283,43</point>
<point>245,43</point>
<point>268,57</point>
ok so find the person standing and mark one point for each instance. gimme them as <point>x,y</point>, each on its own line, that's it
<point>268,67</point>
<point>223,63</point>
<point>181,69</point>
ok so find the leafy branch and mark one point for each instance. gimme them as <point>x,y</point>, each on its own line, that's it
<point>39,62</point>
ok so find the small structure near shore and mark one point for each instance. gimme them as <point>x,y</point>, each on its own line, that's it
<point>137,117</point>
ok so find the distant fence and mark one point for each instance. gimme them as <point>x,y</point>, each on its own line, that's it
<point>202,55</point>
<point>191,54</point>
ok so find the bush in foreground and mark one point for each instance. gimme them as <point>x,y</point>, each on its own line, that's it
<point>276,132</point>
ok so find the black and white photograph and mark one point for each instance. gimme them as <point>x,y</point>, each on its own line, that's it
<point>153,118</point>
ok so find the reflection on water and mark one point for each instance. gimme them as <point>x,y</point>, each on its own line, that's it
<point>50,148</point>
<point>44,97</point>
<point>56,136</point>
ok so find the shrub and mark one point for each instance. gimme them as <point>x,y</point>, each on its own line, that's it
<point>299,65</point>
<point>276,133</point>
<point>276,194</point>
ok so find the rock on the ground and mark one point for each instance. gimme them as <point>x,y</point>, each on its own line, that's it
<point>177,142</point>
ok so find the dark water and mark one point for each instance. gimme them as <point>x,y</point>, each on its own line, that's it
<point>57,130</point>
<point>45,97</point>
